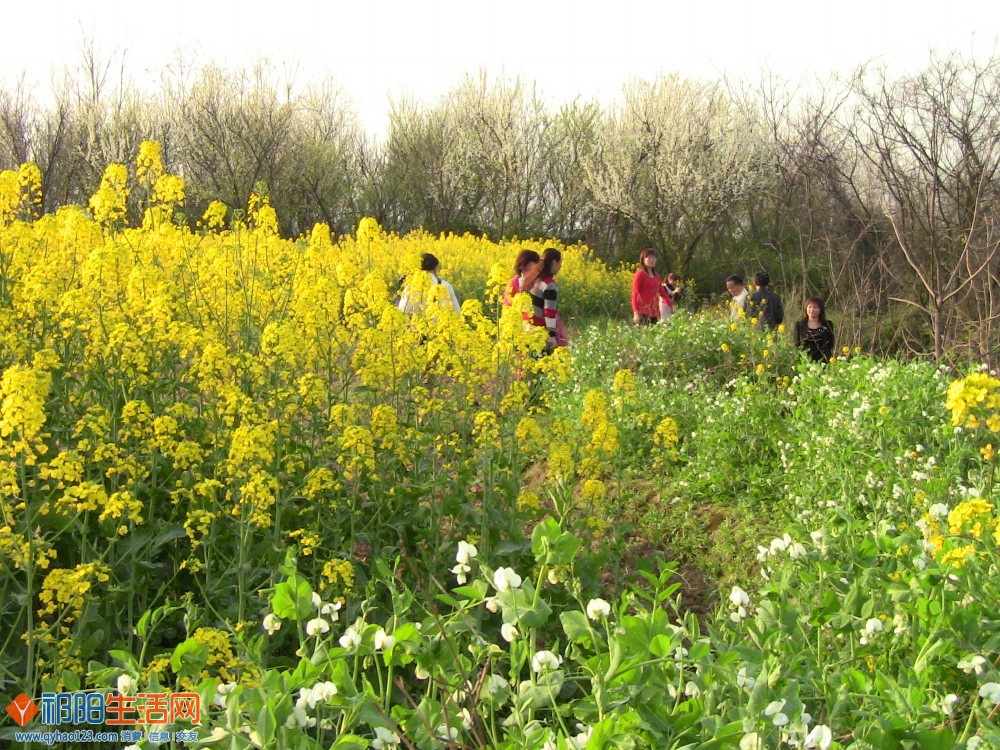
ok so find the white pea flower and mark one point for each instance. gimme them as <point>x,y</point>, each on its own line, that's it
<point>543,661</point>
<point>938,510</point>
<point>317,626</point>
<point>974,663</point>
<point>745,680</point>
<point>579,742</point>
<point>420,673</point>
<point>872,627</point>
<point>796,550</point>
<point>899,625</point>
<point>385,738</point>
<point>466,716</point>
<point>774,707</point>
<point>221,691</point>
<point>779,719</point>
<point>947,704</point>
<point>331,610</point>
<point>323,691</point>
<point>991,692</point>
<point>306,699</point>
<point>821,737</point>
<point>691,689</point>
<point>495,684</point>
<point>598,608</point>
<point>127,684</point>
<point>446,732</point>
<point>272,623</point>
<point>350,639</point>
<point>317,602</point>
<point>460,570</point>
<point>384,641</point>
<point>509,632</point>
<point>492,603</point>
<point>739,597</point>
<point>505,579</point>
<point>974,743</point>
<point>465,552</point>
<point>751,741</point>
<point>780,544</point>
<point>679,653</point>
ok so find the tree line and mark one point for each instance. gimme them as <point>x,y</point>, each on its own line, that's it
<point>876,192</point>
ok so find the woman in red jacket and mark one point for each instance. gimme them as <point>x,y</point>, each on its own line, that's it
<point>646,290</point>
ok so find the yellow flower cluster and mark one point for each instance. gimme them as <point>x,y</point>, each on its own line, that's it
<point>240,386</point>
<point>221,662</point>
<point>109,203</point>
<point>65,591</point>
<point>970,518</point>
<point>975,398</point>
<point>486,430</point>
<point>338,574</point>
<point>20,193</point>
<point>954,540</point>
<point>624,388</point>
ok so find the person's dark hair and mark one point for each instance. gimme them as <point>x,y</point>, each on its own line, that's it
<point>524,259</point>
<point>761,278</point>
<point>549,256</point>
<point>672,277</point>
<point>645,254</point>
<point>818,301</point>
<point>429,263</point>
<point>735,278</point>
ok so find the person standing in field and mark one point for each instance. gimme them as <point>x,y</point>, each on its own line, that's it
<point>410,302</point>
<point>646,290</point>
<point>814,333</point>
<point>527,266</point>
<point>738,306</point>
<point>765,305</point>
<point>669,295</point>
<point>548,292</point>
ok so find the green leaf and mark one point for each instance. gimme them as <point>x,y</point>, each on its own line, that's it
<point>575,625</point>
<point>519,607</point>
<point>189,657</point>
<point>267,725</point>
<point>292,599</point>
<point>71,681</point>
<point>350,742</point>
<point>143,626</point>
<point>543,692</point>
<point>127,660</point>
<point>553,546</point>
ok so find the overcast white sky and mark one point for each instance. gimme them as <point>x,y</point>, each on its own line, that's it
<point>421,48</point>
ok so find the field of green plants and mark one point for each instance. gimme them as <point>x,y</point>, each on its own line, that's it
<point>229,465</point>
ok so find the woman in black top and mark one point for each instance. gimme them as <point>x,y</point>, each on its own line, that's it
<point>814,333</point>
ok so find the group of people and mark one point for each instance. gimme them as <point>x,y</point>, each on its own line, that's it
<point>536,275</point>
<point>653,300</point>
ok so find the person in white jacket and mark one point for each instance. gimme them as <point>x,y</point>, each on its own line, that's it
<point>431,265</point>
